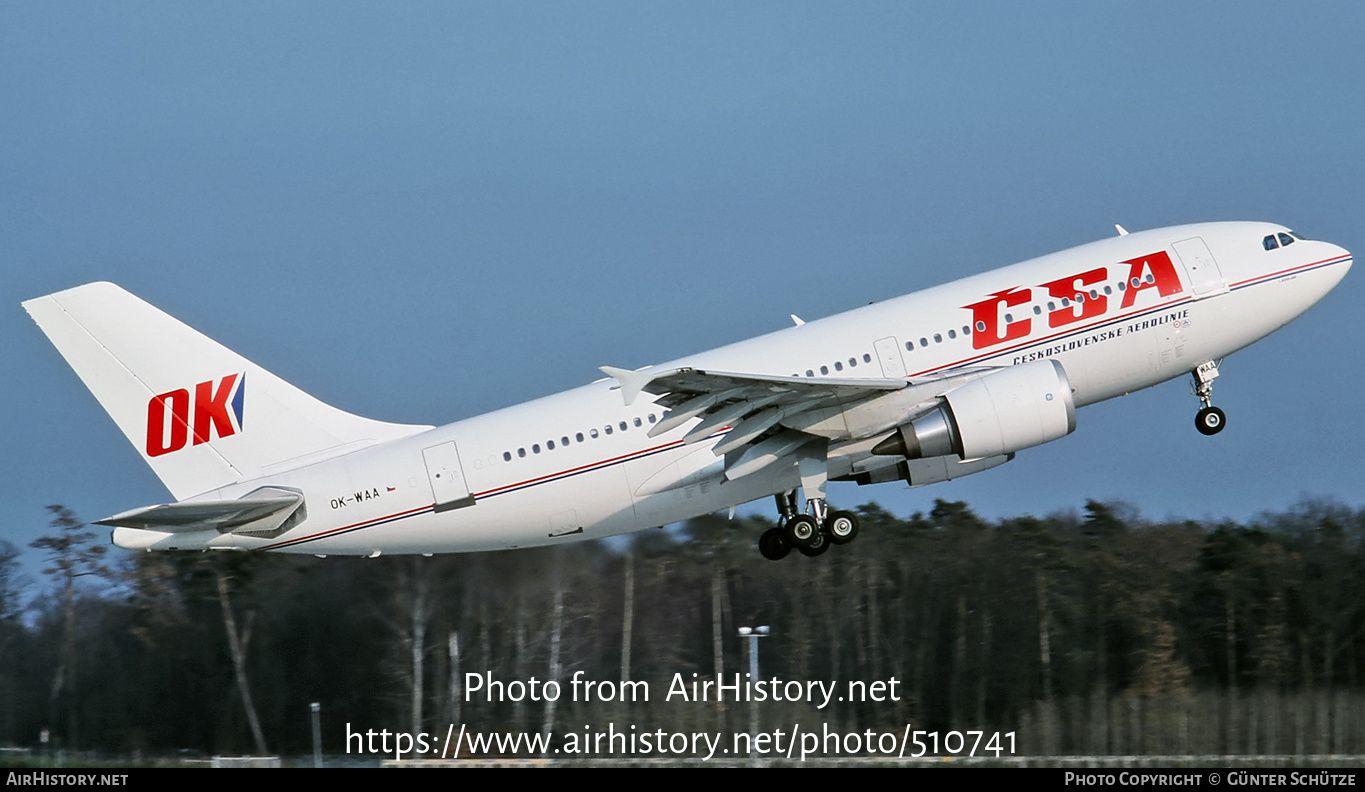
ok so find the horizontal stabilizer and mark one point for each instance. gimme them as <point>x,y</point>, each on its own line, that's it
<point>263,512</point>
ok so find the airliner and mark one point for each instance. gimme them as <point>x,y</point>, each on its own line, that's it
<point>928,387</point>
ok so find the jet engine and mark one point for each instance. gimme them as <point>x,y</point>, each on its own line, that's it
<point>1003,412</point>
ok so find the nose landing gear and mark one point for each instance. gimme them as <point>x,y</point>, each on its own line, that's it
<point>1209,420</point>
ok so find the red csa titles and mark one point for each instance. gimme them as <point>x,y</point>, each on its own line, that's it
<point>170,419</point>
<point>989,328</point>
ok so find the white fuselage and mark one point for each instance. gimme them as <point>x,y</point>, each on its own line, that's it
<point>578,465</point>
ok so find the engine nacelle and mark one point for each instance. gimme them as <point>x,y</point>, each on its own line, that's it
<point>1003,412</point>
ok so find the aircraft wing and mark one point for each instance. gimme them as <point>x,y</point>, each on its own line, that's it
<point>763,412</point>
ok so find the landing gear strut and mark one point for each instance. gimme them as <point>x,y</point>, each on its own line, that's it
<point>811,533</point>
<point>1209,420</point>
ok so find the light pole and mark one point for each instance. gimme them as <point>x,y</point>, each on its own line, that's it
<point>316,709</point>
<point>753,634</point>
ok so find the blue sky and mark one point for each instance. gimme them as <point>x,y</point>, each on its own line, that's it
<point>423,211</point>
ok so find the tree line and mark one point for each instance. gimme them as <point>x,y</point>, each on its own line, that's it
<point>1095,631</point>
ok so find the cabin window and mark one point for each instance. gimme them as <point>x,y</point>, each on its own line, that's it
<point>651,418</point>
<point>852,362</point>
<point>578,437</point>
<point>608,429</point>
<point>824,369</point>
<point>980,327</point>
<point>521,453</point>
<point>638,422</point>
<point>867,358</point>
<point>909,346</point>
<point>810,373</point>
<point>924,342</point>
<point>507,456</point>
<point>953,333</point>
<point>938,338</point>
<point>564,441</point>
<point>549,445</point>
<point>967,330</point>
<point>1037,309</point>
<point>535,448</point>
<point>592,433</point>
<point>623,426</point>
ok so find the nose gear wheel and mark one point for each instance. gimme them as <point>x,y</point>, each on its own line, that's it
<point>1209,420</point>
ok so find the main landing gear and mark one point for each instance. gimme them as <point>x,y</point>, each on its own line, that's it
<point>1209,420</point>
<point>811,533</point>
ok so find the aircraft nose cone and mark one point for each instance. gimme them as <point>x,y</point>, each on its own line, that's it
<point>1336,251</point>
<point>1340,266</point>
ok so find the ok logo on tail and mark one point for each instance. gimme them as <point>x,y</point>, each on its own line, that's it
<point>170,419</point>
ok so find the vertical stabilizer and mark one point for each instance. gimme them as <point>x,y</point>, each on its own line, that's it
<point>201,415</point>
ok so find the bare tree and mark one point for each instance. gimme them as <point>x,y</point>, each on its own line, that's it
<point>11,587</point>
<point>72,554</point>
<point>238,641</point>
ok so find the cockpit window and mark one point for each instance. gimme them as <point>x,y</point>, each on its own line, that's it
<point>1286,240</point>
<point>1269,242</point>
